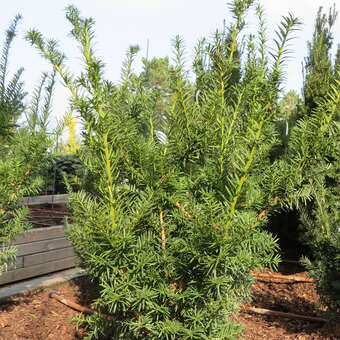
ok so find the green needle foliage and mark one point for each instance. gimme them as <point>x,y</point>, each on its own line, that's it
<point>316,153</point>
<point>11,92</point>
<point>169,232</point>
<point>155,78</point>
<point>307,165</point>
<point>22,150</point>
<point>318,68</point>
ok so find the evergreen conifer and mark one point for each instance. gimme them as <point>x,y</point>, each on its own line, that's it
<point>22,149</point>
<point>169,232</point>
<point>318,68</point>
<point>319,138</point>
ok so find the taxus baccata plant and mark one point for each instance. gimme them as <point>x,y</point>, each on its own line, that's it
<point>315,148</point>
<point>313,158</point>
<point>22,148</point>
<point>169,232</point>
<point>318,66</point>
<point>65,167</point>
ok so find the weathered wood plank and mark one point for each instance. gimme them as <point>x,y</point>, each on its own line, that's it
<point>40,269</point>
<point>60,198</point>
<point>19,263</point>
<point>50,199</point>
<point>39,234</point>
<point>42,246</point>
<point>49,256</point>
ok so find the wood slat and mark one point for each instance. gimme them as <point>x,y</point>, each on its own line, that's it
<point>49,256</point>
<point>44,223</point>
<point>49,199</point>
<point>19,263</point>
<point>42,246</point>
<point>40,269</point>
<point>39,234</point>
<point>48,212</point>
<point>60,198</point>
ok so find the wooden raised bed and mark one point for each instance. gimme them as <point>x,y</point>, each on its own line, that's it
<point>50,199</point>
<point>40,251</point>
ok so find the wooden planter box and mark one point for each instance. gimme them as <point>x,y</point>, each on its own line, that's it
<point>40,251</point>
<point>49,199</point>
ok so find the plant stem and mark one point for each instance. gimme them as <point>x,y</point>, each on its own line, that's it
<point>109,178</point>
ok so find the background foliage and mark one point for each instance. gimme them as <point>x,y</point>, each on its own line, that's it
<point>22,148</point>
<point>320,217</point>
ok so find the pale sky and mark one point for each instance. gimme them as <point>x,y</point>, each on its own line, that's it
<point>120,23</point>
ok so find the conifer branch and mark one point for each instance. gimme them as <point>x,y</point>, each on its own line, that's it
<point>109,179</point>
<point>46,109</point>
<point>48,50</point>
<point>10,34</point>
<point>127,65</point>
<point>222,113</point>
<point>178,44</point>
<point>324,225</point>
<point>262,36</point>
<point>178,205</point>
<point>243,178</point>
<point>225,141</point>
<point>332,102</point>
<point>163,235</point>
<point>141,213</point>
<point>288,25</point>
<point>238,7</point>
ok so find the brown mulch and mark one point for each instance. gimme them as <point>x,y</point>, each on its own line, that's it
<point>297,298</point>
<point>47,215</point>
<point>38,317</point>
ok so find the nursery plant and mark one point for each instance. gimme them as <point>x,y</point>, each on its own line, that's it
<point>64,167</point>
<point>22,148</point>
<point>318,66</point>
<point>307,162</point>
<point>169,231</point>
<point>319,138</point>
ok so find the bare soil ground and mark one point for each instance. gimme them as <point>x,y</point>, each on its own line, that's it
<point>38,317</point>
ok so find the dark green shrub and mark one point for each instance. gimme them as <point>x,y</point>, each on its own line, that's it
<point>64,168</point>
<point>170,232</point>
<point>309,160</point>
<point>319,138</point>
